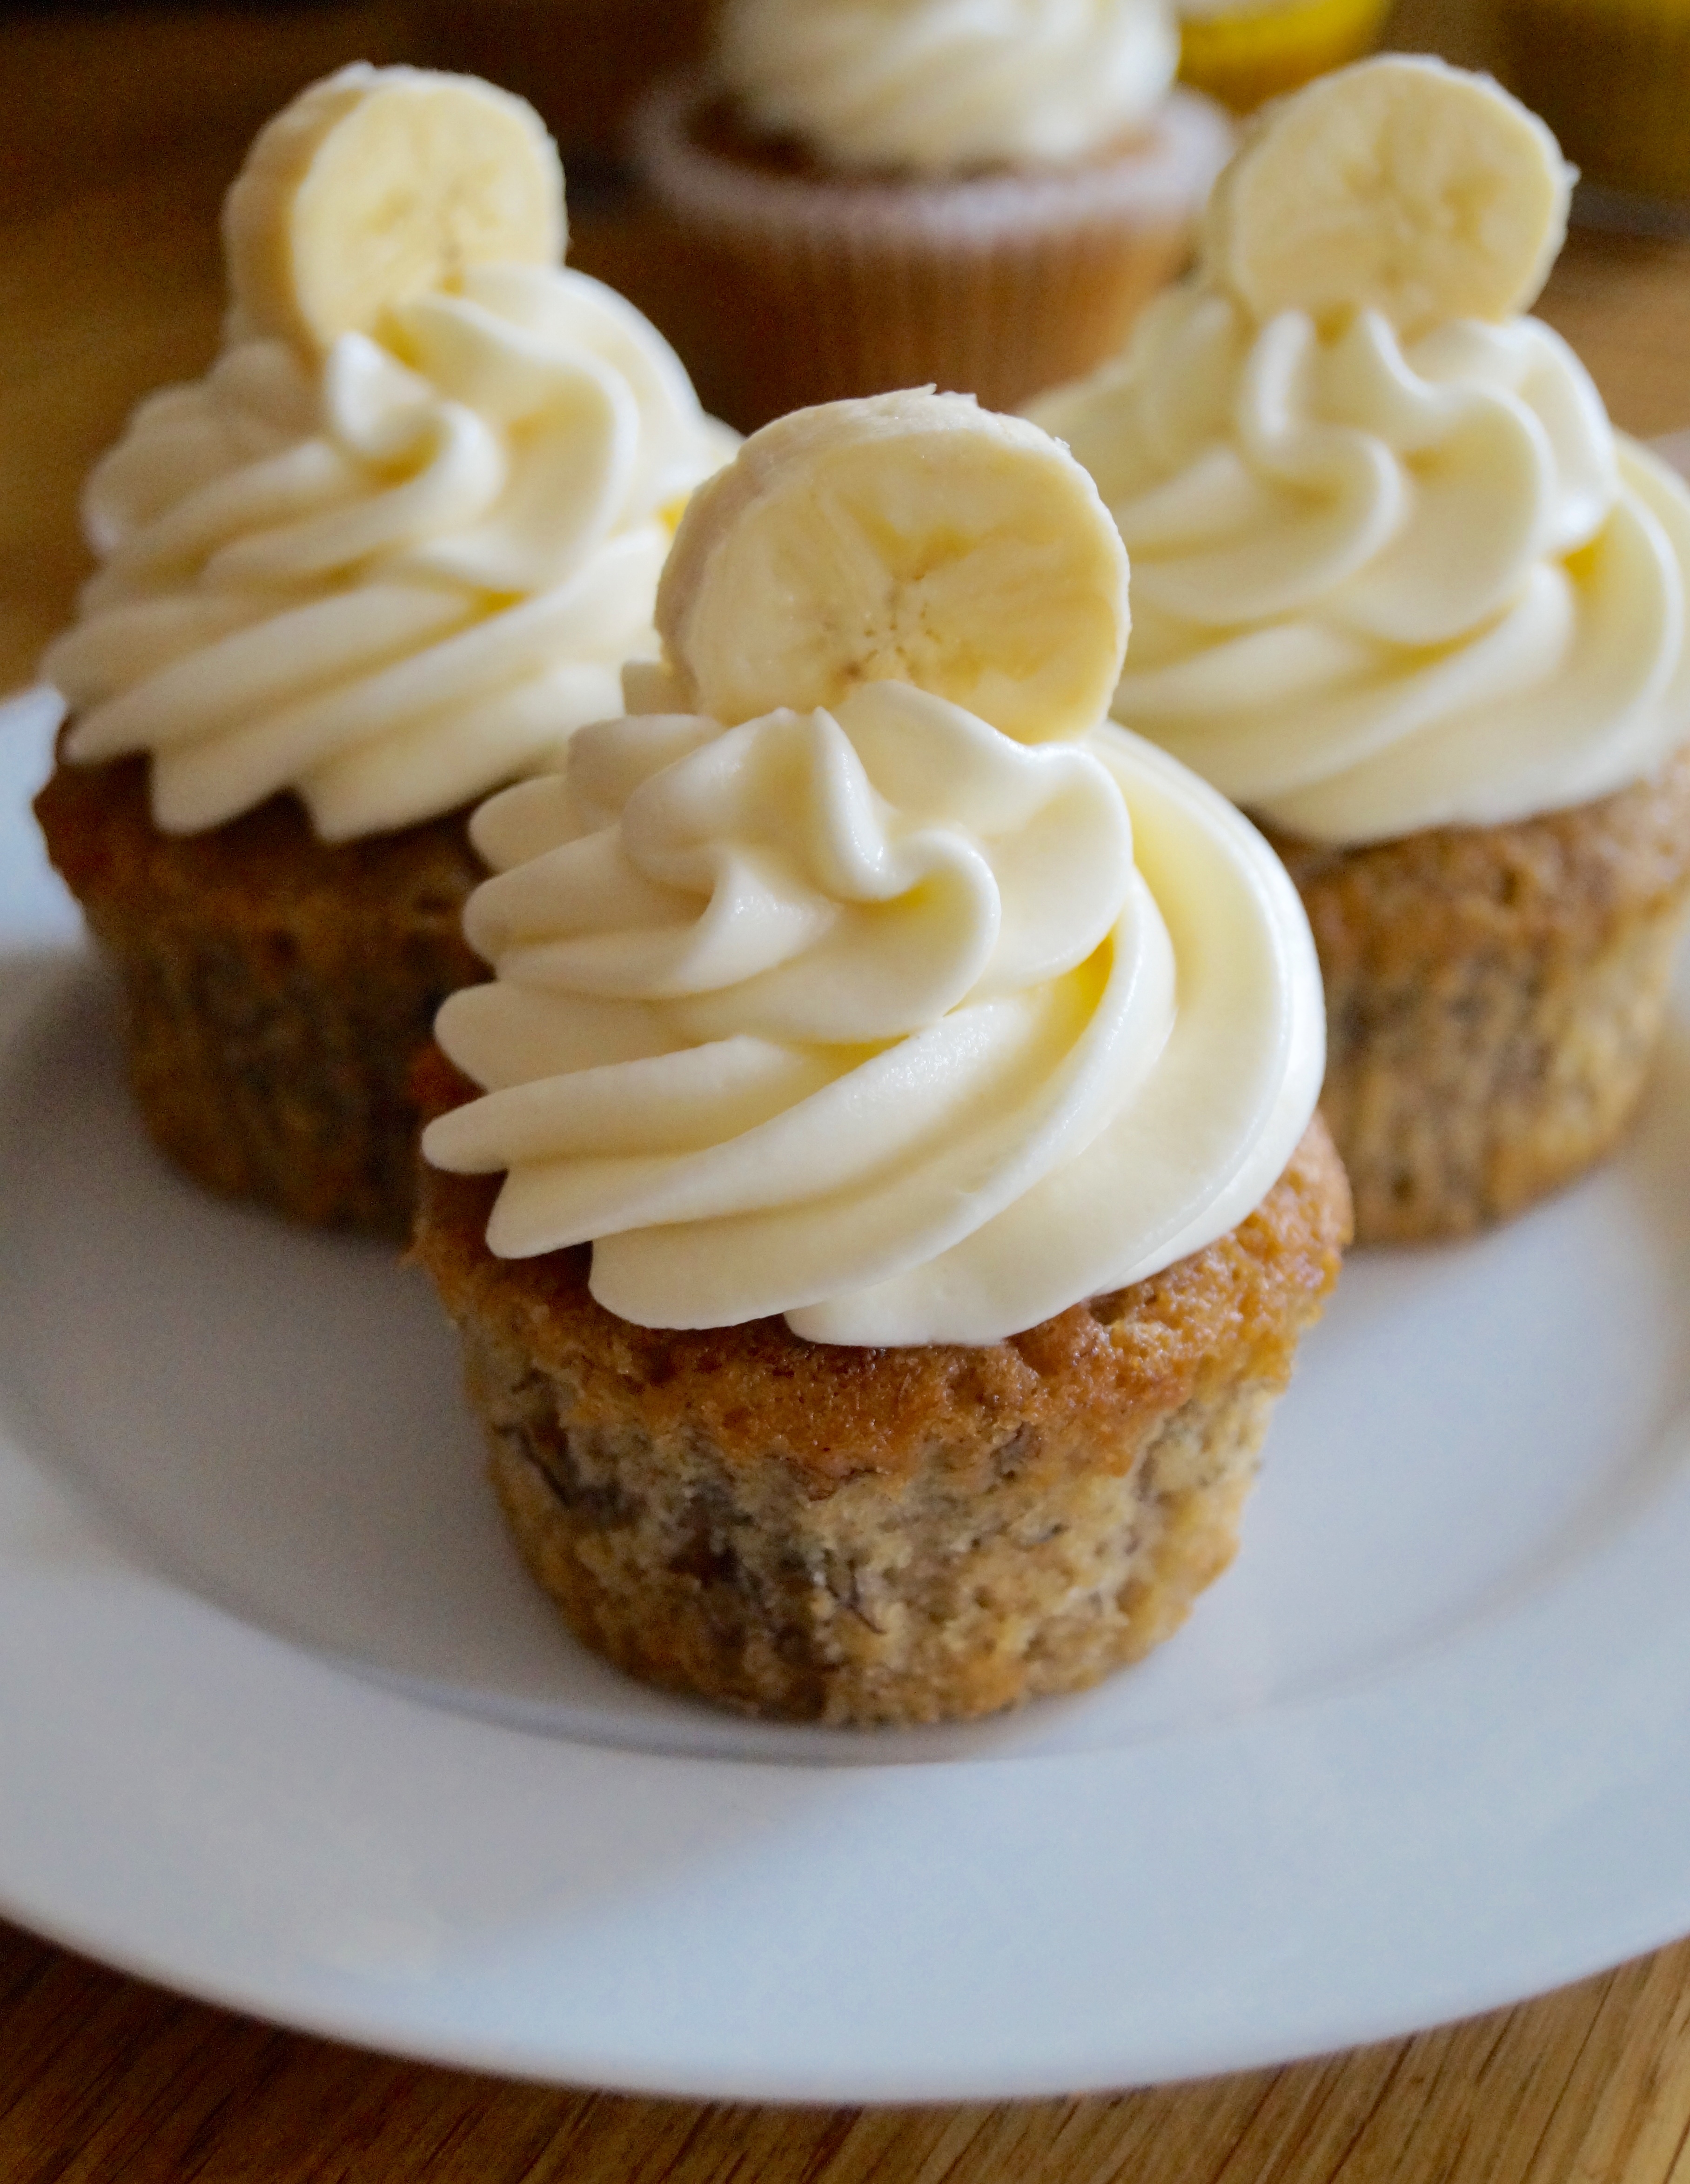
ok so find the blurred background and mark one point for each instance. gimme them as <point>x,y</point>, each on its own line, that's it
<point>1611,76</point>
<point>121,125</point>
<point>582,62</point>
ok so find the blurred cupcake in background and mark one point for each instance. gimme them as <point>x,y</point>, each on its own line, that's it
<point>1612,79</point>
<point>868,194</point>
<point>1244,54</point>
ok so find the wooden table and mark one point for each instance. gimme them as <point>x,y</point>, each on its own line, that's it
<point>115,141</point>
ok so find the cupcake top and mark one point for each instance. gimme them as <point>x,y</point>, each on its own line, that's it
<point>1393,569</point>
<point>396,544</point>
<point>944,87</point>
<point>865,972</point>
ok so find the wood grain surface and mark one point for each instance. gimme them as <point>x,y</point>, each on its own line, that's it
<point>116,137</point>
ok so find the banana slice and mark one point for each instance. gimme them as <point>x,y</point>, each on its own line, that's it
<point>378,185</point>
<point>1402,183</point>
<point>909,537</point>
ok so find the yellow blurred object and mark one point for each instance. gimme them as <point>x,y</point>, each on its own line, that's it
<point>1612,79</point>
<point>1244,55</point>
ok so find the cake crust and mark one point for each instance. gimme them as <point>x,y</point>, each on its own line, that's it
<point>1494,996</point>
<point>879,1535</point>
<point>276,988</point>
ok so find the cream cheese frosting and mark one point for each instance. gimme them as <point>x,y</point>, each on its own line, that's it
<point>1382,586</point>
<point>389,566</point>
<point>941,87</point>
<point>917,1007</point>
<point>1385,580</point>
<point>876,1017</point>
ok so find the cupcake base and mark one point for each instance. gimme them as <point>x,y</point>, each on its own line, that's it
<point>584,63</point>
<point>276,989</point>
<point>791,286</point>
<point>1494,997</point>
<point>868,1537</point>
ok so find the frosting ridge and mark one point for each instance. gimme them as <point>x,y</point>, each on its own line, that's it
<point>877,1017</point>
<point>392,577</point>
<point>1393,569</point>
<point>1385,583</point>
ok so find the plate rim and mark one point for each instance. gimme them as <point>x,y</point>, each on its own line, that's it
<point>81,1615</point>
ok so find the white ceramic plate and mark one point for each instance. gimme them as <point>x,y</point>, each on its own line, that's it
<point>281,1724</point>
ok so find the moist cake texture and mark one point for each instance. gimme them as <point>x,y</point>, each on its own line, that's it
<point>277,989</point>
<point>865,1536</point>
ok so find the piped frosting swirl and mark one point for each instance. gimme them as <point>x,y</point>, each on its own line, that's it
<point>1392,570</point>
<point>391,567</point>
<point>873,1014</point>
<point>943,87</point>
<point>1381,586</point>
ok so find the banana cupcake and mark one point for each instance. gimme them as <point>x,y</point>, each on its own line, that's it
<point>1404,594</point>
<point>892,1201</point>
<point>868,194</point>
<point>386,555</point>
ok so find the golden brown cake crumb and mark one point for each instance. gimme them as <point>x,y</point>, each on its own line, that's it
<point>276,989</point>
<point>860,1536</point>
<point>1493,995</point>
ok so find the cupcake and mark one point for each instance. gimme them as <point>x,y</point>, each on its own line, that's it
<point>892,1200</point>
<point>866,194</point>
<point>1245,54</point>
<point>384,557</point>
<point>1405,595</point>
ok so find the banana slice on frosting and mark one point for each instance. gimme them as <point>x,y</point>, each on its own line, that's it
<point>910,538</point>
<point>378,185</point>
<point>1402,184</point>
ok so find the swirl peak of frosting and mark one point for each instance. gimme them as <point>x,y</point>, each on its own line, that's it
<point>865,1009</point>
<point>941,87</point>
<point>1386,579</point>
<point>872,1017</point>
<point>391,568</point>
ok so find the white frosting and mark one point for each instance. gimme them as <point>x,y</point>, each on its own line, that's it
<point>938,87</point>
<point>1380,586</point>
<point>877,1018</point>
<point>393,579</point>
